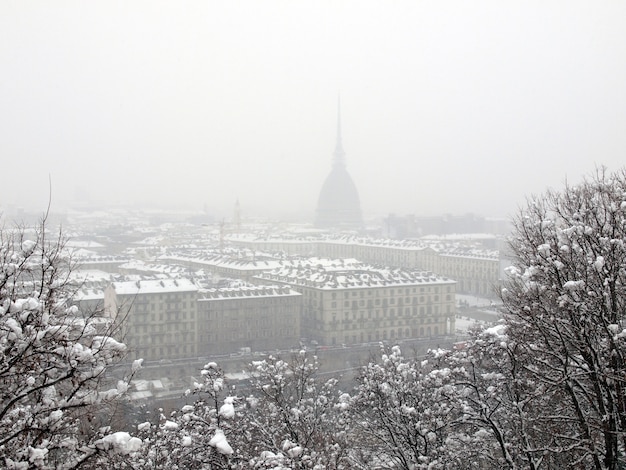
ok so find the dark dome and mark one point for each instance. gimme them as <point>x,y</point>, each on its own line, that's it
<point>338,204</point>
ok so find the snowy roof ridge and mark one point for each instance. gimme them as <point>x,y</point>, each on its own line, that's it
<point>146,286</point>
<point>355,276</point>
<point>453,246</point>
<point>249,260</point>
<point>247,291</point>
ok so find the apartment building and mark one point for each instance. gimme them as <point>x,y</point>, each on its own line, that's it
<point>348,303</point>
<point>159,317</point>
<point>173,318</point>
<point>477,270</point>
<point>226,265</point>
<point>261,318</point>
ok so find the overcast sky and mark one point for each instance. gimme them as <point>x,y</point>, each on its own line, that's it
<point>447,106</point>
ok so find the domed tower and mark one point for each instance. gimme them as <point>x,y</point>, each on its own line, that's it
<point>338,205</point>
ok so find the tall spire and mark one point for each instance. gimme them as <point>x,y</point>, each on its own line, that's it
<point>338,205</point>
<point>339,154</point>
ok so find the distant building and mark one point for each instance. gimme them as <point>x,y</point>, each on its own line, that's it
<point>237,216</point>
<point>159,317</point>
<point>109,264</point>
<point>477,270</point>
<point>410,226</point>
<point>174,319</point>
<point>338,205</point>
<point>346,302</point>
<point>88,291</point>
<point>260,318</point>
<point>226,265</point>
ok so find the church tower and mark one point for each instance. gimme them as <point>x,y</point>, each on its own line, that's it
<point>338,205</point>
<point>237,217</point>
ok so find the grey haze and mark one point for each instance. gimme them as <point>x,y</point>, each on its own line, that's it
<point>447,107</point>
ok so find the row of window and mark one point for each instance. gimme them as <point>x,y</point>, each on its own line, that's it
<point>225,335</point>
<point>146,307</point>
<point>391,301</point>
<point>148,328</point>
<point>278,314</point>
<point>139,317</point>
<point>253,302</point>
<point>407,312</point>
<point>399,291</point>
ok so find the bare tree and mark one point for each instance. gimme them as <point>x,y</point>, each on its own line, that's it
<point>500,409</point>
<point>53,360</point>
<point>565,298</point>
<point>288,420</point>
<point>196,436</point>
<point>399,417</point>
<point>292,420</point>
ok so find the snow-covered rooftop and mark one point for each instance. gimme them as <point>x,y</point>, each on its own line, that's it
<point>452,246</point>
<point>140,266</point>
<point>86,244</point>
<point>85,257</point>
<point>247,292</point>
<point>248,263</point>
<point>153,286</point>
<point>350,276</point>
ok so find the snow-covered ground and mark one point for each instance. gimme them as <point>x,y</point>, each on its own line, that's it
<point>473,301</point>
<point>462,324</point>
<point>474,311</point>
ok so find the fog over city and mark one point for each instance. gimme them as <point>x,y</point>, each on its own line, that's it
<point>277,235</point>
<point>446,107</point>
